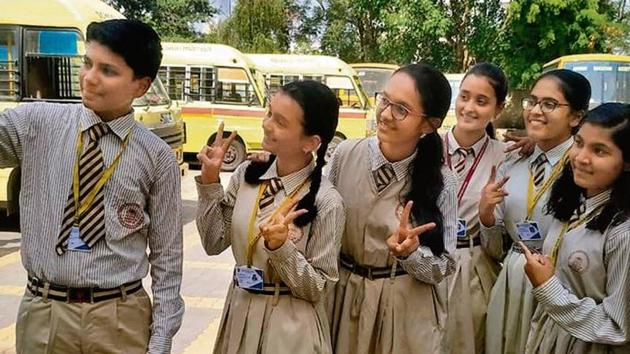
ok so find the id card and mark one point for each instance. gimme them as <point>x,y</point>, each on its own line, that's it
<point>249,277</point>
<point>75,243</point>
<point>528,231</point>
<point>461,228</point>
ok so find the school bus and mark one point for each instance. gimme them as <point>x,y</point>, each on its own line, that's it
<point>608,74</point>
<point>41,46</point>
<point>356,116</point>
<point>373,77</point>
<point>214,83</point>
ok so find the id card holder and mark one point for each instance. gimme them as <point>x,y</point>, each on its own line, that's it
<point>75,243</point>
<point>461,228</point>
<point>249,278</point>
<point>528,231</point>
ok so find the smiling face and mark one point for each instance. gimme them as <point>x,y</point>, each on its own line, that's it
<point>549,130</point>
<point>596,160</point>
<point>476,104</point>
<point>108,84</point>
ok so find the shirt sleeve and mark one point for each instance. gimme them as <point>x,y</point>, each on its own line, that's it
<point>14,128</point>
<point>423,264</point>
<point>606,322</point>
<point>310,276</point>
<point>166,255</point>
<point>333,166</point>
<point>214,212</point>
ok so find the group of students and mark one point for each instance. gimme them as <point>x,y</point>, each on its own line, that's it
<point>411,242</point>
<point>421,243</point>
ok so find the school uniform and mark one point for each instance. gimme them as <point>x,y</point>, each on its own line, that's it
<point>511,303</point>
<point>287,314</point>
<point>84,291</point>
<point>585,307</point>
<point>382,304</point>
<point>476,272</point>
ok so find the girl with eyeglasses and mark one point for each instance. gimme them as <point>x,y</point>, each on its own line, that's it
<point>582,284</point>
<point>283,221</point>
<point>511,207</point>
<point>399,237</point>
<point>471,153</point>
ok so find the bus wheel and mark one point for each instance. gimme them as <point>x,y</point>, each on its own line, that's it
<point>233,156</point>
<point>333,145</point>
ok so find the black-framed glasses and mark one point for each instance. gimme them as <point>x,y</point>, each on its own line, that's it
<point>546,105</point>
<point>399,112</point>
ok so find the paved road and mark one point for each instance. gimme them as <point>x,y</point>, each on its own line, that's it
<point>204,285</point>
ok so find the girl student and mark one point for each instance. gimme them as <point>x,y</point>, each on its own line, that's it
<point>583,284</point>
<point>511,207</point>
<point>284,222</point>
<point>400,228</point>
<point>470,152</point>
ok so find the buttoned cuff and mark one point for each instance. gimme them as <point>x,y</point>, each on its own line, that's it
<point>209,191</point>
<point>160,345</point>
<point>283,252</point>
<point>549,293</point>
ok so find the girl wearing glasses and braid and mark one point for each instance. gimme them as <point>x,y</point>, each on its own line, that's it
<point>582,284</point>
<point>511,208</point>
<point>284,222</point>
<point>399,237</point>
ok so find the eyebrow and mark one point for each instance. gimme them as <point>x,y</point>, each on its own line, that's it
<point>479,95</point>
<point>402,103</point>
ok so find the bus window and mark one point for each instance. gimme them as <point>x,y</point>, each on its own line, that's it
<point>9,65</point>
<point>234,86</point>
<point>317,78</point>
<point>610,81</point>
<point>374,80</point>
<point>52,64</point>
<point>344,89</point>
<point>174,78</point>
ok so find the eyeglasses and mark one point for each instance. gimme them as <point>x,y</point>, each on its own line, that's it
<point>399,112</point>
<point>546,105</point>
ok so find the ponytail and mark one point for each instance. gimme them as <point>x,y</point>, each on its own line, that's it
<point>308,201</point>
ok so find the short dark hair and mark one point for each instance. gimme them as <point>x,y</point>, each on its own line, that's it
<point>135,41</point>
<point>565,195</point>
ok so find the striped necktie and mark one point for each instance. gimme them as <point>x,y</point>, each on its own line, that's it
<point>460,165</point>
<point>383,176</point>
<point>92,222</point>
<point>538,170</point>
<point>274,186</point>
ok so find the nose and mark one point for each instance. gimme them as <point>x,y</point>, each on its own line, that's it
<point>89,76</point>
<point>385,113</point>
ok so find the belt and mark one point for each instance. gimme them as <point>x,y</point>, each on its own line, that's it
<point>367,271</point>
<point>41,288</point>
<point>517,248</point>
<point>476,241</point>
<point>269,289</point>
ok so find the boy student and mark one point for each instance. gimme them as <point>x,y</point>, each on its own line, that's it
<point>98,188</point>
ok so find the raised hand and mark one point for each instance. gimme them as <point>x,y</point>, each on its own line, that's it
<point>211,157</point>
<point>491,195</point>
<point>524,143</point>
<point>276,231</point>
<point>406,240</point>
<point>538,268</point>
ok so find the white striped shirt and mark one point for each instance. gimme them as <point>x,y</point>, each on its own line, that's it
<point>589,295</point>
<point>308,275</point>
<point>142,206</point>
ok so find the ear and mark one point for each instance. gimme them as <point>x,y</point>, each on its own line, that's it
<point>311,144</point>
<point>142,86</point>
<point>430,125</point>
<point>576,119</point>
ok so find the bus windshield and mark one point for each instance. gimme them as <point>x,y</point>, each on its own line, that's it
<point>610,80</point>
<point>156,95</point>
<point>373,80</point>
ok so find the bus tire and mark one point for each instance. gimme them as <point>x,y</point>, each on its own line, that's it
<point>336,140</point>
<point>235,155</point>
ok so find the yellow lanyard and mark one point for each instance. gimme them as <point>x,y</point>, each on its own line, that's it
<point>251,239</point>
<point>532,199</point>
<point>80,209</point>
<point>566,227</point>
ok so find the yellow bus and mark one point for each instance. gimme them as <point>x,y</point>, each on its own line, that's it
<point>608,74</point>
<point>355,113</point>
<point>41,46</point>
<point>373,77</point>
<point>214,83</point>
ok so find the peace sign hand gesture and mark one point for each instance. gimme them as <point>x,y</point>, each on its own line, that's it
<point>276,231</point>
<point>538,268</point>
<point>405,241</point>
<point>211,157</point>
<point>491,195</point>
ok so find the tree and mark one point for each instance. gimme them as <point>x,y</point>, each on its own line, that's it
<point>172,19</point>
<point>538,31</point>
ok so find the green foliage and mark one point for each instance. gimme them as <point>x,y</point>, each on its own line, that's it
<point>172,19</point>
